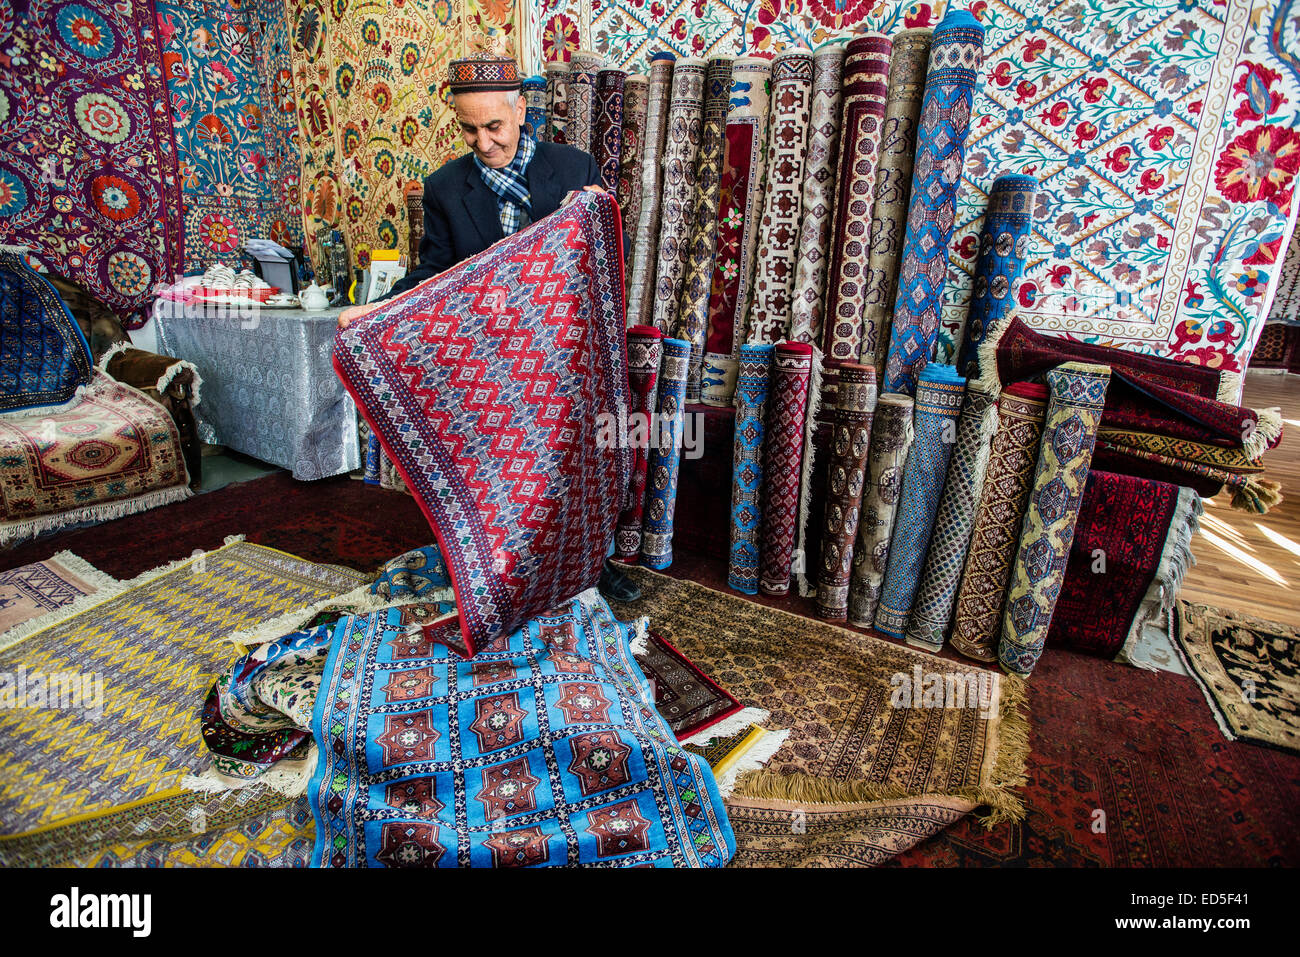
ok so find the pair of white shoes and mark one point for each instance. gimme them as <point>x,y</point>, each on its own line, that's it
<point>223,277</point>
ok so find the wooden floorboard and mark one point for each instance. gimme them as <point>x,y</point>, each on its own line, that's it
<point>1249,562</point>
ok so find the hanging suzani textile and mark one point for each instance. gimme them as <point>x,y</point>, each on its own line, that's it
<point>1003,246</point>
<point>813,248</point>
<point>1076,394</point>
<point>891,440</point>
<point>747,466</point>
<point>743,165</point>
<point>907,65</point>
<point>769,306</point>
<point>88,163</point>
<point>846,475</point>
<point>782,463</point>
<point>640,274</point>
<point>866,73</point>
<point>665,457</point>
<point>677,208</point>
<point>932,609</point>
<point>956,54</point>
<point>607,138</point>
<point>938,403</point>
<point>693,310</point>
<point>644,351</point>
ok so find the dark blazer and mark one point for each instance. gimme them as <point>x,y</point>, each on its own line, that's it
<point>460,212</point>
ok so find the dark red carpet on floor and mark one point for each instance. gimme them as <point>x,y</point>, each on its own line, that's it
<point>338,520</point>
<point>1139,746</point>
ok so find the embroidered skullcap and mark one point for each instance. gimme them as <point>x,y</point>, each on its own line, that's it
<point>481,72</point>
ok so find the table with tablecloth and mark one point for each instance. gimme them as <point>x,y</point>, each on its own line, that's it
<point>269,387</point>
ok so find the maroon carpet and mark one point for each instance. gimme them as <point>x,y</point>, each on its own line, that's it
<point>338,521</point>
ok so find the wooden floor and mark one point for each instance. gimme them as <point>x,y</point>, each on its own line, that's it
<point>1248,562</point>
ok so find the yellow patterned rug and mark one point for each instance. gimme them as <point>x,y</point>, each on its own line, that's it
<point>99,712</point>
<point>868,768</point>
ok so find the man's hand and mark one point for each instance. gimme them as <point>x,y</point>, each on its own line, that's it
<point>353,313</point>
<point>572,194</point>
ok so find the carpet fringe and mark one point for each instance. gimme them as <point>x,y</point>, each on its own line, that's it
<point>1175,561</point>
<point>800,558</point>
<point>732,724</point>
<point>1256,495</point>
<point>360,601</point>
<point>1268,431</point>
<point>11,532</point>
<point>43,411</point>
<point>289,777</point>
<point>1201,683</point>
<point>757,755</point>
<point>640,644</point>
<point>986,357</point>
<point>83,569</point>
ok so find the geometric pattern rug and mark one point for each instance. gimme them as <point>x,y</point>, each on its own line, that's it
<point>114,745</point>
<point>31,595</point>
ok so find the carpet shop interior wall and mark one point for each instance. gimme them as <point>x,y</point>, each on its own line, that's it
<point>1166,136</point>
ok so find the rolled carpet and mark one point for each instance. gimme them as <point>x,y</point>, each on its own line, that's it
<point>813,248</point>
<point>533,89</point>
<point>636,91</point>
<point>932,609</point>
<point>939,394</point>
<point>557,101</point>
<point>907,65</point>
<point>956,55</point>
<point>782,463</point>
<point>866,75</point>
<point>693,310</point>
<point>747,466</point>
<point>1004,244</point>
<point>846,473</point>
<point>677,205</point>
<point>607,137</point>
<point>739,192</point>
<point>665,457</point>
<point>584,65</point>
<point>891,439</point>
<point>1132,546</point>
<point>769,307</point>
<point>645,252</point>
<point>1076,395</point>
<point>644,351</point>
<point>977,617</point>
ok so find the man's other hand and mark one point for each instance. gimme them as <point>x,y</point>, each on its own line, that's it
<point>352,313</point>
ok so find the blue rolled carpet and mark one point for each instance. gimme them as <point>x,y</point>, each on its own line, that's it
<point>747,466</point>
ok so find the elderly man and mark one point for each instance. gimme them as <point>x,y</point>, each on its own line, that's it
<point>507,181</point>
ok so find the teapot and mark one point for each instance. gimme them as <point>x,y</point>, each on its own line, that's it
<point>314,298</point>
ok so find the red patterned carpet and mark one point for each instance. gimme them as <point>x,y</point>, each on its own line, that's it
<point>1141,746</point>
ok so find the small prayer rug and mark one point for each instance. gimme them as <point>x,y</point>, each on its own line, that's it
<point>907,64</point>
<point>867,721</point>
<point>814,234</point>
<point>1247,667</point>
<point>689,700</point>
<point>489,387</point>
<point>1077,393</point>
<point>129,671</point>
<point>34,596</point>
<point>44,357</point>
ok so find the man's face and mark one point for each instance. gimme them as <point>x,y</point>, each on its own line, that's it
<point>490,122</point>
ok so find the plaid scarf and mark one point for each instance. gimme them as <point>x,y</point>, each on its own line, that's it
<point>511,185</point>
